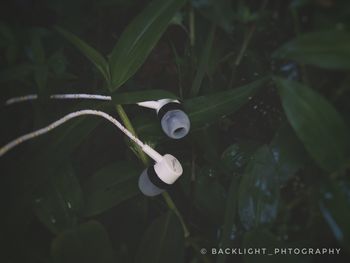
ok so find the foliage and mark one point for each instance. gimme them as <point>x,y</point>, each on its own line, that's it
<point>266,164</point>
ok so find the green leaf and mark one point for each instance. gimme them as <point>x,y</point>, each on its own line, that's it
<point>210,195</point>
<point>334,203</point>
<point>207,109</point>
<point>330,49</point>
<point>259,190</point>
<point>139,38</point>
<point>110,186</point>
<point>87,243</point>
<point>163,241</point>
<point>316,123</point>
<point>59,200</point>
<point>92,54</point>
<point>288,151</point>
<point>138,96</point>
<point>203,62</point>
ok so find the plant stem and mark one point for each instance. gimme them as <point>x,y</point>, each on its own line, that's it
<point>247,38</point>
<point>169,201</point>
<point>143,157</point>
<point>192,28</point>
<point>122,114</point>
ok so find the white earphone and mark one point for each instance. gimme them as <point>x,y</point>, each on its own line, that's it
<point>175,123</point>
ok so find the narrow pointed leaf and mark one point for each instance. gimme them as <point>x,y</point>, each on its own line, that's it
<point>203,62</point>
<point>209,108</point>
<point>139,38</point>
<point>317,124</point>
<point>92,54</point>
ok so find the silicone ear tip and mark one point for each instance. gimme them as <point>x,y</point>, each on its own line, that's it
<point>175,124</point>
<point>147,187</point>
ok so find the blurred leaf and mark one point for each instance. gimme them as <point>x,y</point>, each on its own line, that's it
<point>259,190</point>
<point>203,62</point>
<point>288,151</point>
<point>163,241</point>
<point>88,242</point>
<point>210,195</point>
<point>236,156</point>
<point>59,200</point>
<point>329,49</point>
<point>229,226</point>
<point>334,203</point>
<point>110,186</point>
<point>178,19</point>
<point>92,54</point>
<point>207,109</point>
<point>139,38</point>
<point>244,14</point>
<point>139,96</point>
<point>316,123</point>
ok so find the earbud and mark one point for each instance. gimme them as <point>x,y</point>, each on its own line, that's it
<point>174,121</point>
<point>158,178</point>
<point>152,181</point>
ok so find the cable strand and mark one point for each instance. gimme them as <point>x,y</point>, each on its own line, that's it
<point>58,96</point>
<point>3,150</point>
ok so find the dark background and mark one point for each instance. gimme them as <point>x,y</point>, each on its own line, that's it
<point>47,184</point>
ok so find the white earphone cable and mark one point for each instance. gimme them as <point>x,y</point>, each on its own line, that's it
<point>58,96</point>
<point>146,148</point>
<point>147,104</point>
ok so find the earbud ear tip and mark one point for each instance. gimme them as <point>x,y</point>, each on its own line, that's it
<point>147,187</point>
<point>175,124</point>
